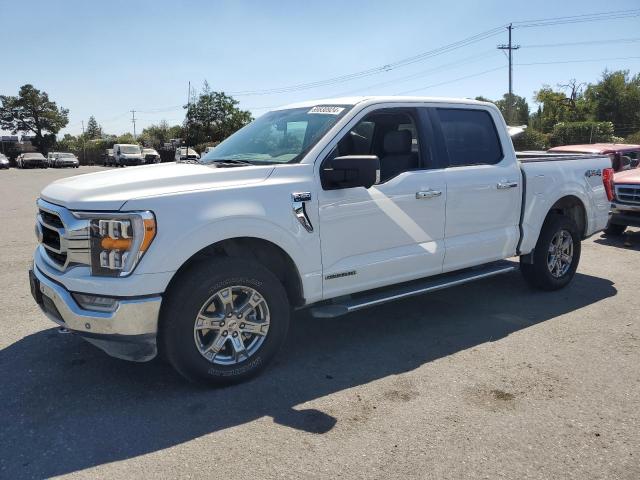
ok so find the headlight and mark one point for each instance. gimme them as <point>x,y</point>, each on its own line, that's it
<point>118,241</point>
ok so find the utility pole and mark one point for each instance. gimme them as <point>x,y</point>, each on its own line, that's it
<point>510,47</point>
<point>186,140</point>
<point>84,145</point>
<point>133,119</point>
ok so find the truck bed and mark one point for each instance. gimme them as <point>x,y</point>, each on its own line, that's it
<point>533,156</point>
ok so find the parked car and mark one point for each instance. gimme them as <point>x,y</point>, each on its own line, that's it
<point>623,156</point>
<point>31,160</point>
<point>625,207</point>
<point>64,159</point>
<point>109,159</point>
<point>150,156</point>
<point>51,158</point>
<point>4,161</point>
<point>182,154</point>
<point>125,155</point>
<point>335,206</point>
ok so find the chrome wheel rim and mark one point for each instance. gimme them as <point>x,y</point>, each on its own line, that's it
<point>560,255</point>
<point>231,325</point>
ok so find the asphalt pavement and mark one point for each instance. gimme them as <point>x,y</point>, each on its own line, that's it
<point>485,380</point>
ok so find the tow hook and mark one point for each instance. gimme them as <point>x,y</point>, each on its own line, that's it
<point>63,330</point>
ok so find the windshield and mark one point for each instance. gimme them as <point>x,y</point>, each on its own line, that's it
<point>129,149</point>
<point>33,156</point>
<point>66,155</point>
<point>281,136</point>
<point>149,151</point>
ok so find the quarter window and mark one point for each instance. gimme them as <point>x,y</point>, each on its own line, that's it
<point>470,137</point>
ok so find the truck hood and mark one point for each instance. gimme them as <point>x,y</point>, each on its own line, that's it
<point>628,176</point>
<point>110,190</point>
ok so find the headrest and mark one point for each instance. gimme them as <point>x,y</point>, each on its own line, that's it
<point>397,142</point>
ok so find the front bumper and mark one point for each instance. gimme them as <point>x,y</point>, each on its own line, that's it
<point>129,332</point>
<point>625,214</point>
<point>131,162</point>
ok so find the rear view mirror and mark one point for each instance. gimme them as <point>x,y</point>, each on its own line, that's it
<point>351,171</point>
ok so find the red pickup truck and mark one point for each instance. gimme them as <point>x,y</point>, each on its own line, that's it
<point>625,206</point>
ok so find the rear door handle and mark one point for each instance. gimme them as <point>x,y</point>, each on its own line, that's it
<point>426,194</point>
<point>505,185</point>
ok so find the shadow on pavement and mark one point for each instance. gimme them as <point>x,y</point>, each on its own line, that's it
<point>629,240</point>
<point>66,406</point>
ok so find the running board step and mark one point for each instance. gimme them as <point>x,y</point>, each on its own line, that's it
<point>366,300</point>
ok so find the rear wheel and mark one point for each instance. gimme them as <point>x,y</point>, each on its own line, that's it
<point>224,321</point>
<point>615,230</point>
<point>556,255</point>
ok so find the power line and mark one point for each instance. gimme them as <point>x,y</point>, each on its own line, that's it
<point>376,70</point>
<point>589,42</point>
<point>451,81</point>
<point>575,61</point>
<point>587,17</point>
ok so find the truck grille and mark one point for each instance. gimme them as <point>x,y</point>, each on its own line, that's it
<point>628,193</point>
<point>64,238</point>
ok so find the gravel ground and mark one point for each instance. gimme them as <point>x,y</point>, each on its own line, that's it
<point>486,380</point>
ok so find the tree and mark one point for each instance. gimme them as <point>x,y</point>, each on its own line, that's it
<point>519,112</point>
<point>616,99</point>
<point>93,130</point>
<point>213,116</point>
<point>519,108</point>
<point>32,111</point>
<point>566,104</point>
<point>157,135</point>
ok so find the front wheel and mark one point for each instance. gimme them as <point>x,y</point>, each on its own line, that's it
<point>556,255</point>
<point>224,321</point>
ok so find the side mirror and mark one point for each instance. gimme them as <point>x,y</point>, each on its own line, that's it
<point>351,171</point>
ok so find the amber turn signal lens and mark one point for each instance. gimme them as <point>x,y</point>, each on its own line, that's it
<point>109,243</point>
<point>149,233</point>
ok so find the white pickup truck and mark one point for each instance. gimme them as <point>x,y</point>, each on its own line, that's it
<point>335,205</point>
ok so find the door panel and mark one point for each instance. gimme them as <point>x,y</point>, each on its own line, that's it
<point>482,219</point>
<point>484,188</point>
<point>383,235</point>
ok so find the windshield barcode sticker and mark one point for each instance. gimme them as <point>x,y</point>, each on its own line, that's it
<point>326,110</point>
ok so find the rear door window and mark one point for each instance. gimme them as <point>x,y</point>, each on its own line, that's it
<point>470,137</point>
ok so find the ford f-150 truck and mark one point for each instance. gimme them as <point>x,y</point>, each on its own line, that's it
<point>335,205</point>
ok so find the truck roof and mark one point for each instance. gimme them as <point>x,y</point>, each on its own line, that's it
<point>378,99</point>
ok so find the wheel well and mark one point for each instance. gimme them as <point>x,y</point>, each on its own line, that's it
<point>262,251</point>
<point>573,208</point>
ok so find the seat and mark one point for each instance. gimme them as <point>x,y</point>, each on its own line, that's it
<point>398,156</point>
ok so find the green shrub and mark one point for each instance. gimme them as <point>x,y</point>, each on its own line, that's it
<point>531,139</point>
<point>633,138</point>
<point>571,133</point>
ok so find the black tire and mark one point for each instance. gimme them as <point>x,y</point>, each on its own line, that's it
<point>538,274</point>
<point>615,230</point>
<point>188,295</point>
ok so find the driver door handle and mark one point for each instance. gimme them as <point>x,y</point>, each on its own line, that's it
<point>426,194</point>
<point>505,185</point>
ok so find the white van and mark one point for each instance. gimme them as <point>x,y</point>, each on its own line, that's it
<point>127,154</point>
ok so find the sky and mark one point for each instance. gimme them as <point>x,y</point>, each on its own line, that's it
<point>107,58</point>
